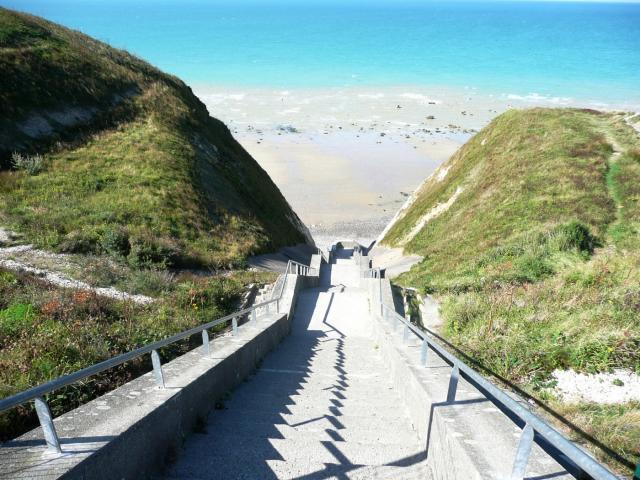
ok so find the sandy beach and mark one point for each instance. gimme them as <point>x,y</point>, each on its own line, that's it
<point>347,158</point>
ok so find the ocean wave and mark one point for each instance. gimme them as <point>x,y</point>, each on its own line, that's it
<point>537,98</point>
<point>420,98</point>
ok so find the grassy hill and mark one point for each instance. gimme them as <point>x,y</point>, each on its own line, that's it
<point>531,240</point>
<point>120,158</point>
<point>106,158</point>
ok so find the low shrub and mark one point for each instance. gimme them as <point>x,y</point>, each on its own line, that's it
<point>147,252</point>
<point>575,236</point>
<point>152,282</point>
<point>116,242</point>
<point>32,164</point>
<point>79,242</point>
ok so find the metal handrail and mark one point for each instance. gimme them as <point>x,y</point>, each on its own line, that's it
<point>533,424</point>
<point>323,255</point>
<point>37,393</point>
<point>297,268</point>
<point>371,273</point>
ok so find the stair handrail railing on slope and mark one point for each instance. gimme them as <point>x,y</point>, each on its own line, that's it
<point>324,256</point>
<point>370,273</point>
<point>38,392</point>
<point>533,424</point>
<point>298,268</point>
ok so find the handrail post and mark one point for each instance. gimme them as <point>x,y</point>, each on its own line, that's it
<point>405,335</point>
<point>424,351</point>
<point>206,350</point>
<point>522,454</point>
<point>253,315</point>
<point>278,305</point>
<point>234,326</point>
<point>157,368</point>
<point>453,384</point>
<point>380,294</point>
<point>48,428</point>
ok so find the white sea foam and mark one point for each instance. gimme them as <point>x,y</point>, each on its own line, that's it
<point>289,111</point>
<point>537,98</point>
<point>420,98</point>
<point>218,98</point>
<point>373,96</point>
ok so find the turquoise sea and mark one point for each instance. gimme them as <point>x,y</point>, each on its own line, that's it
<point>557,49</point>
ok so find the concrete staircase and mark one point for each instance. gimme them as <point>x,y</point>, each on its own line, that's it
<point>322,405</point>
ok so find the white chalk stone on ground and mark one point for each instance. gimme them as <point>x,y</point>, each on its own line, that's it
<point>620,386</point>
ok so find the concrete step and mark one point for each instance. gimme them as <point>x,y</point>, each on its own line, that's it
<point>310,410</point>
<point>267,420</point>
<point>206,454</point>
<point>323,398</point>
<point>362,357</point>
<point>347,387</point>
<point>297,345</point>
<point>309,470</point>
<point>312,470</point>
<point>322,405</point>
<point>254,432</point>
<point>320,370</point>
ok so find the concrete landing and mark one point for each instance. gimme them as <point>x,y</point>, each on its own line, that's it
<point>321,406</point>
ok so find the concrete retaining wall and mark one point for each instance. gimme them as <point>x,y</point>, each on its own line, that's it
<point>132,431</point>
<point>467,439</point>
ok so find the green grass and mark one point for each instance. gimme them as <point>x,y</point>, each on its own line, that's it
<point>46,332</point>
<point>146,184</point>
<point>537,262</point>
<point>150,169</point>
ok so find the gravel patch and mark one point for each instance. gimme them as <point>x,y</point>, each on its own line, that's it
<point>620,386</point>
<point>9,260</point>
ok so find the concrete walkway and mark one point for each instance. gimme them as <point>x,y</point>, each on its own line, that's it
<point>322,405</point>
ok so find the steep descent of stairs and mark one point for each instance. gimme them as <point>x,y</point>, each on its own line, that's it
<point>321,406</point>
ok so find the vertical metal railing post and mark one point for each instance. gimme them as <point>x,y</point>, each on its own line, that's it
<point>453,384</point>
<point>522,454</point>
<point>206,350</point>
<point>157,368</point>
<point>253,316</point>
<point>424,351</point>
<point>405,335</point>
<point>46,422</point>
<point>234,326</point>
<point>380,294</point>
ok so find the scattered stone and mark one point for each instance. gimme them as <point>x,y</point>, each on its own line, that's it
<point>431,117</point>
<point>287,129</point>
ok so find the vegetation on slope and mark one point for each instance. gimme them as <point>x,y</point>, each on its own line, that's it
<point>47,332</point>
<point>105,157</point>
<point>133,165</point>
<point>537,261</point>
